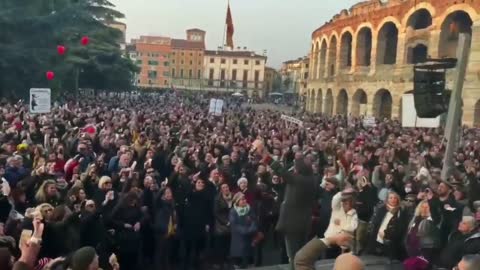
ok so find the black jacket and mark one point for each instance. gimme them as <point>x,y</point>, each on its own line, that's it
<point>198,213</point>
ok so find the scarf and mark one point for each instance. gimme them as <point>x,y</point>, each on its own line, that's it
<point>393,209</point>
<point>242,211</point>
<point>228,199</point>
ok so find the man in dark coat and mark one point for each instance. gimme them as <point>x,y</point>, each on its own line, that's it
<point>296,210</point>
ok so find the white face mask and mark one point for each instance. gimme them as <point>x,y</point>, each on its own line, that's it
<point>408,189</point>
<point>275,158</point>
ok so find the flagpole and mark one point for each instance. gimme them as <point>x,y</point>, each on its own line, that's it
<point>225,28</point>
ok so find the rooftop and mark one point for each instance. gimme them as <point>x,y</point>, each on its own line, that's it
<point>186,44</point>
<point>234,54</point>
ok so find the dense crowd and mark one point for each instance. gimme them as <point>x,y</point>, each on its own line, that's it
<point>156,182</point>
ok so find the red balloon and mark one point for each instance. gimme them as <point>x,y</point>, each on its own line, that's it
<point>61,49</point>
<point>50,75</point>
<point>85,40</point>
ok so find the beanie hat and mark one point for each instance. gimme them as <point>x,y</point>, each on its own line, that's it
<point>82,258</point>
<point>243,179</point>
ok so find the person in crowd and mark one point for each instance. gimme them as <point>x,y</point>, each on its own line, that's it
<point>344,217</point>
<point>423,234</point>
<point>243,227</point>
<point>465,240</point>
<point>165,224</point>
<point>387,228</point>
<point>296,209</point>
<point>222,238</point>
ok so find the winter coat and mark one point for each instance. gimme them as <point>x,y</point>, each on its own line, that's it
<point>422,233</point>
<point>296,209</point>
<point>162,213</point>
<point>243,229</point>
<point>458,246</point>
<point>449,219</point>
<point>127,239</point>
<point>221,213</point>
<point>348,220</point>
<point>394,231</point>
<point>366,201</point>
<point>198,213</point>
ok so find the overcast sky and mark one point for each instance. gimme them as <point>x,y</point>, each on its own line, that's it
<point>282,27</point>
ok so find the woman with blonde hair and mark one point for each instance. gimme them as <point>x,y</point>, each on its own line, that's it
<point>44,210</point>
<point>105,197</point>
<point>423,237</point>
<point>387,228</point>
<point>48,193</point>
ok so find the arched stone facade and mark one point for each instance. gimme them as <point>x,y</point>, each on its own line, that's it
<point>364,57</point>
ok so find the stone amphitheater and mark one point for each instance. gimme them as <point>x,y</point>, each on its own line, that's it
<point>361,61</point>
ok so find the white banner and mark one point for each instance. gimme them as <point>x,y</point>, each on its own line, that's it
<point>216,106</point>
<point>40,100</point>
<point>369,121</point>
<point>410,117</point>
<point>292,120</point>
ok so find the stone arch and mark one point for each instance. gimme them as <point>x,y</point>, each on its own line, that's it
<point>387,42</point>
<point>346,49</point>
<point>315,59</point>
<point>318,101</point>
<point>364,46</point>
<point>332,56</point>
<point>476,114</point>
<point>328,102</point>
<point>322,58</point>
<point>342,102</point>
<point>382,104</point>
<point>311,100</point>
<point>455,23</point>
<point>359,103</point>
<point>418,6</point>
<point>419,19</point>
<point>417,52</point>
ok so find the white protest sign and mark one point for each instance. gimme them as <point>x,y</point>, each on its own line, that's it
<point>292,120</point>
<point>40,100</point>
<point>216,106</point>
<point>369,121</point>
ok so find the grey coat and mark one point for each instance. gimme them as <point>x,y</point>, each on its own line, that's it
<point>296,208</point>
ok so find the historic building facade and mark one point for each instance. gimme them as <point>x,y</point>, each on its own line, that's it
<point>186,60</point>
<point>362,59</point>
<point>234,70</point>
<point>295,75</point>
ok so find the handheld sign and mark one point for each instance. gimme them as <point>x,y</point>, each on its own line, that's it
<point>292,120</point>
<point>40,100</point>
<point>216,106</point>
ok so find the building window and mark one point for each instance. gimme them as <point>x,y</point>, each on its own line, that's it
<point>173,61</point>
<point>182,62</point>
<point>245,62</point>
<point>152,74</point>
<point>235,61</point>
<point>257,62</point>
<point>257,77</point>
<point>199,63</point>
<point>182,54</point>
<point>191,54</point>
<point>191,62</point>
<point>173,73</point>
<point>138,62</point>
<point>222,78</point>
<point>223,61</point>
<point>165,82</point>
<point>199,74</point>
<point>166,64</point>
<point>153,62</point>
<point>190,73</point>
<point>181,73</point>
<point>173,53</point>
<point>212,60</point>
<point>245,79</point>
<point>234,75</point>
<point>210,77</point>
<point>166,73</point>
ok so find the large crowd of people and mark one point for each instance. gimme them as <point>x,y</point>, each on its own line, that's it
<point>156,182</point>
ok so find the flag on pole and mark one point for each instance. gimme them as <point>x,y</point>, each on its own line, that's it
<point>230,29</point>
